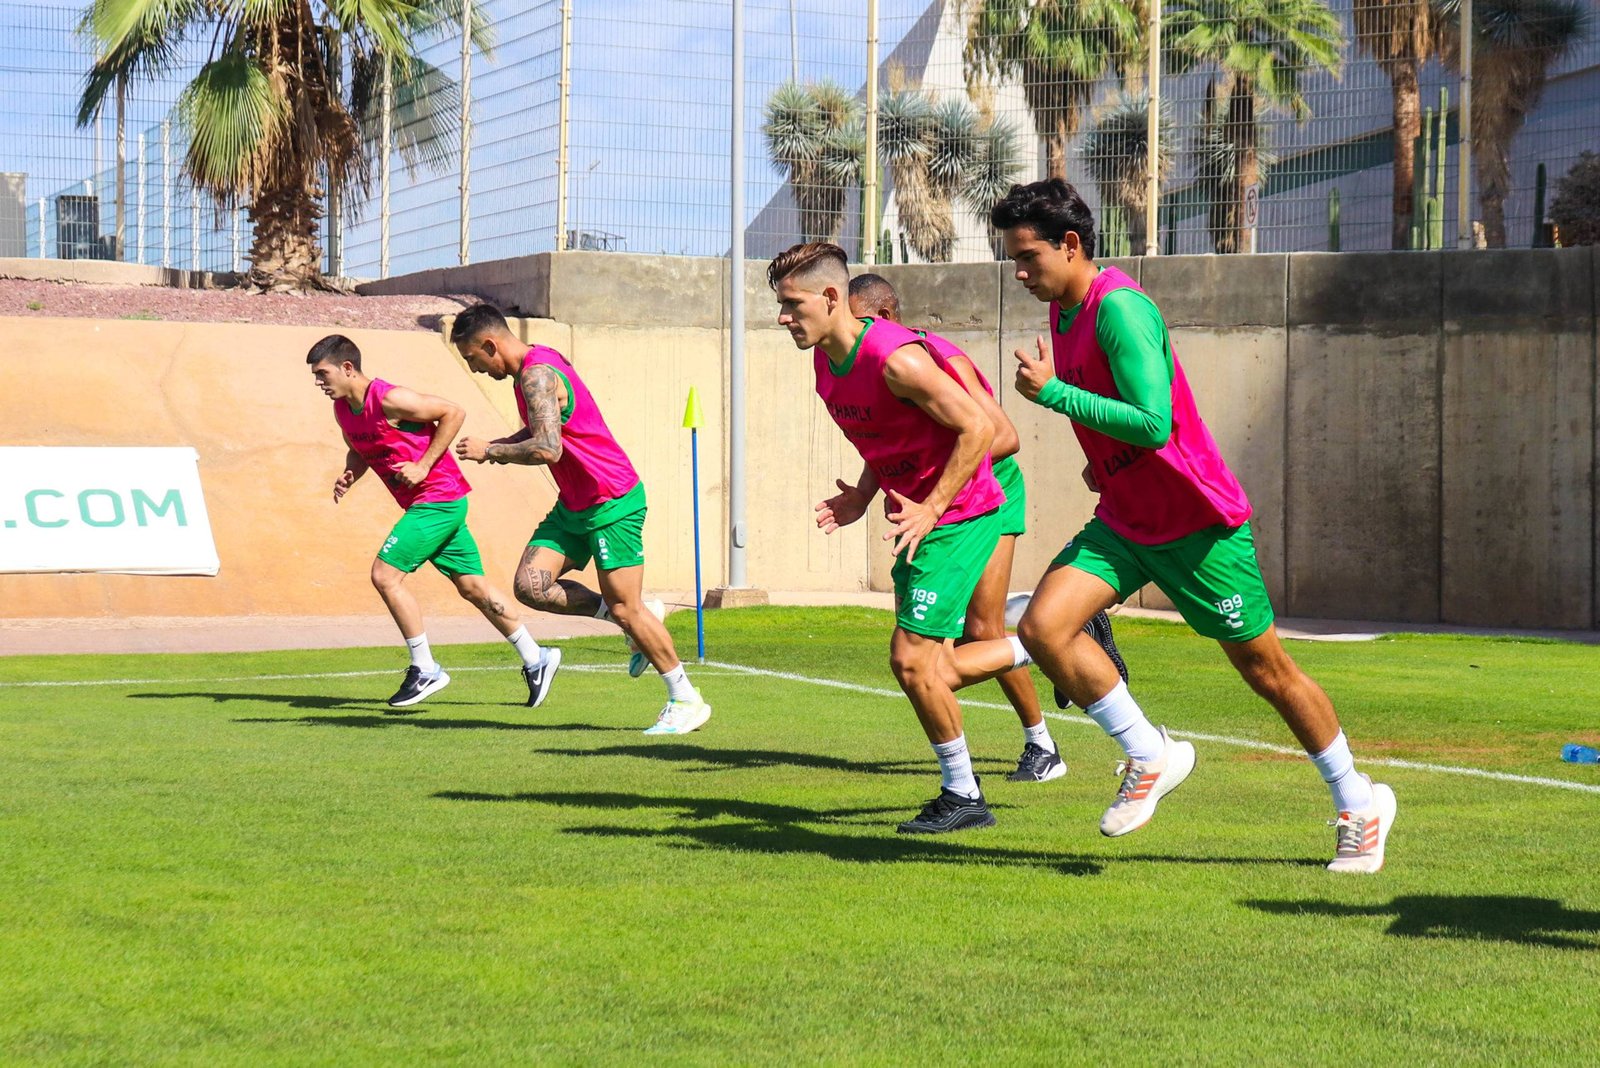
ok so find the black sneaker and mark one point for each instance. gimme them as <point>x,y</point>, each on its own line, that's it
<point>417,686</point>
<point>1038,764</point>
<point>539,678</point>
<point>949,812</point>
<point>1099,628</point>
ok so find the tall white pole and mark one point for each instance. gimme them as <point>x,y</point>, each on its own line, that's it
<point>736,434</point>
<point>122,168</point>
<point>563,158</point>
<point>387,148</point>
<point>1152,141</point>
<point>138,202</point>
<point>794,47</point>
<point>194,229</point>
<point>41,230</point>
<point>1464,143</point>
<point>166,192</point>
<point>869,185</point>
<point>335,193</point>
<point>466,128</point>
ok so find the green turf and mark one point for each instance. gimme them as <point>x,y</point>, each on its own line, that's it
<point>273,871</point>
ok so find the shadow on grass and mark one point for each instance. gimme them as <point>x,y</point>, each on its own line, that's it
<point>435,723</point>
<point>1534,921</point>
<point>730,759</point>
<point>761,827</point>
<point>293,700</point>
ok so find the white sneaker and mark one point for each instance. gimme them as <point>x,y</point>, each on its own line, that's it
<point>1143,784</point>
<point>681,717</point>
<point>1359,836</point>
<point>638,661</point>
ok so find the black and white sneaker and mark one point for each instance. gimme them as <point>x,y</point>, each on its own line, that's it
<point>1099,628</point>
<point>1038,764</point>
<point>417,686</point>
<point>949,812</point>
<point>539,678</point>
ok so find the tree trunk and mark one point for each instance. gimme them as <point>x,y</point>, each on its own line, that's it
<point>284,254</point>
<point>1055,148</point>
<point>1407,128</point>
<point>1494,182</point>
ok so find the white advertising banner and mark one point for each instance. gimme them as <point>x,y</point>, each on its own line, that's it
<point>132,511</point>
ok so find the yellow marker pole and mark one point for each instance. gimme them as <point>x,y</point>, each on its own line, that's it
<point>692,418</point>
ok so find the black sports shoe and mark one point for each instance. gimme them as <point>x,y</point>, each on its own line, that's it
<point>539,678</point>
<point>1038,764</point>
<point>417,686</point>
<point>1099,628</point>
<point>949,812</point>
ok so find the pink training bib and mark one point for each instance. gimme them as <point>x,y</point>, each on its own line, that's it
<point>903,445</point>
<point>1149,496</point>
<point>386,447</point>
<point>593,468</point>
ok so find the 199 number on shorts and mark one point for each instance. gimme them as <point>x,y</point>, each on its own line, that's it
<point>925,599</point>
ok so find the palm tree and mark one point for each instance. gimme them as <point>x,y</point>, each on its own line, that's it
<point>1058,50</point>
<point>1514,45</point>
<point>816,138</point>
<point>268,115</point>
<point>1399,35</point>
<point>1261,48</point>
<point>940,152</point>
<point>1117,154</point>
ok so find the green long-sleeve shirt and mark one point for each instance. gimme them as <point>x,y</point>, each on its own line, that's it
<point>1131,332</point>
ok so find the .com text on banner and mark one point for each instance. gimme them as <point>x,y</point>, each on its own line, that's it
<point>124,510</point>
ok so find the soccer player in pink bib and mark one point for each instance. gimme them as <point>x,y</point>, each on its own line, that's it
<point>873,296</point>
<point>402,436</point>
<point>1170,512</point>
<point>926,442</point>
<point>600,505</point>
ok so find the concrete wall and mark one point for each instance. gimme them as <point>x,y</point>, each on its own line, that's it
<point>1416,431</point>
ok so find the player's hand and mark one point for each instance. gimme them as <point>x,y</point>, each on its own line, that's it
<point>342,484</point>
<point>1034,371</point>
<point>1088,478</point>
<point>411,474</point>
<point>843,509</point>
<point>912,520</point>
<point>472,449</point>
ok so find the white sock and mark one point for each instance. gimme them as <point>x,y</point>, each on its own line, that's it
<point>604,612</point>
<point>1019,655</point>
<point>526,647</point>
<point>678,685</point>
<point>955,767</point>
<point>1352,792</point>
<point>1120,717</point>
<point>421,655</point>
<point>1040,736</point>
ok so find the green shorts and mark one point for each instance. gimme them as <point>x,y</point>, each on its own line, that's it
<point>1211,575</point>
<point>931,592</point>
<point>1014,513</point>
<point>611,532</point>
<point>434,532</point>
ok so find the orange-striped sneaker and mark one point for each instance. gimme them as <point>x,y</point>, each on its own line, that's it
<point>1360,836</point>
<point>1143,784</point>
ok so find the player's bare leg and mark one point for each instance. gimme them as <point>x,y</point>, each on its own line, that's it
<point>623,590</point>
<point>425,676</point>
<point>539,585</point>
<point>539,666</point>
<point>921,666</point>
<point>1052,630</point>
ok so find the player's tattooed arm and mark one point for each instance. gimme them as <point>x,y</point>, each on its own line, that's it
<point>543,391</point>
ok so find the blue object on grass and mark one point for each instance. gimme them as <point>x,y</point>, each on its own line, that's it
<point>1573,753</point>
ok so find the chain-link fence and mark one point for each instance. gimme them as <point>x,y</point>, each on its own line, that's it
<point>1285,125</point>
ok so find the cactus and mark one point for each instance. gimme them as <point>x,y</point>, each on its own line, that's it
<point>1333,221</point>
<point>1427,197</point>
<point>1539,240</point>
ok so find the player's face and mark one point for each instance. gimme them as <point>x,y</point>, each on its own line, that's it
<point>482,355</point>
<point>333,378</point>
<point>804,313</point>
<point>1041,267</point>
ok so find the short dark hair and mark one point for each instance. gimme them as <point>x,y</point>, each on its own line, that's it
<point>335,348</point>
<point>803,257</point>
<point>1052,207</point>
<point>476,321</point>
<point>877,290</point>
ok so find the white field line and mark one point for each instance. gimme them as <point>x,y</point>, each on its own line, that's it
<point>852,687</point>
<point>1218,739</point>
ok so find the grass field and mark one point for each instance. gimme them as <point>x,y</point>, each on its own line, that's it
<point>248,862</point>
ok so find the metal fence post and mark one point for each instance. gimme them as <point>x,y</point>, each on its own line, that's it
<point>869,190</point>
<point>166,192</point>
<point>122,166</point>
<point>387,138</point>
<point>1152,141</point>
<point>736,431</point>
<point>138,201</point>
<point>563,158</point>
<point>194,229</point>
<point>41,228</point>
<point>1464,140</point>
<point>466,129</point>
